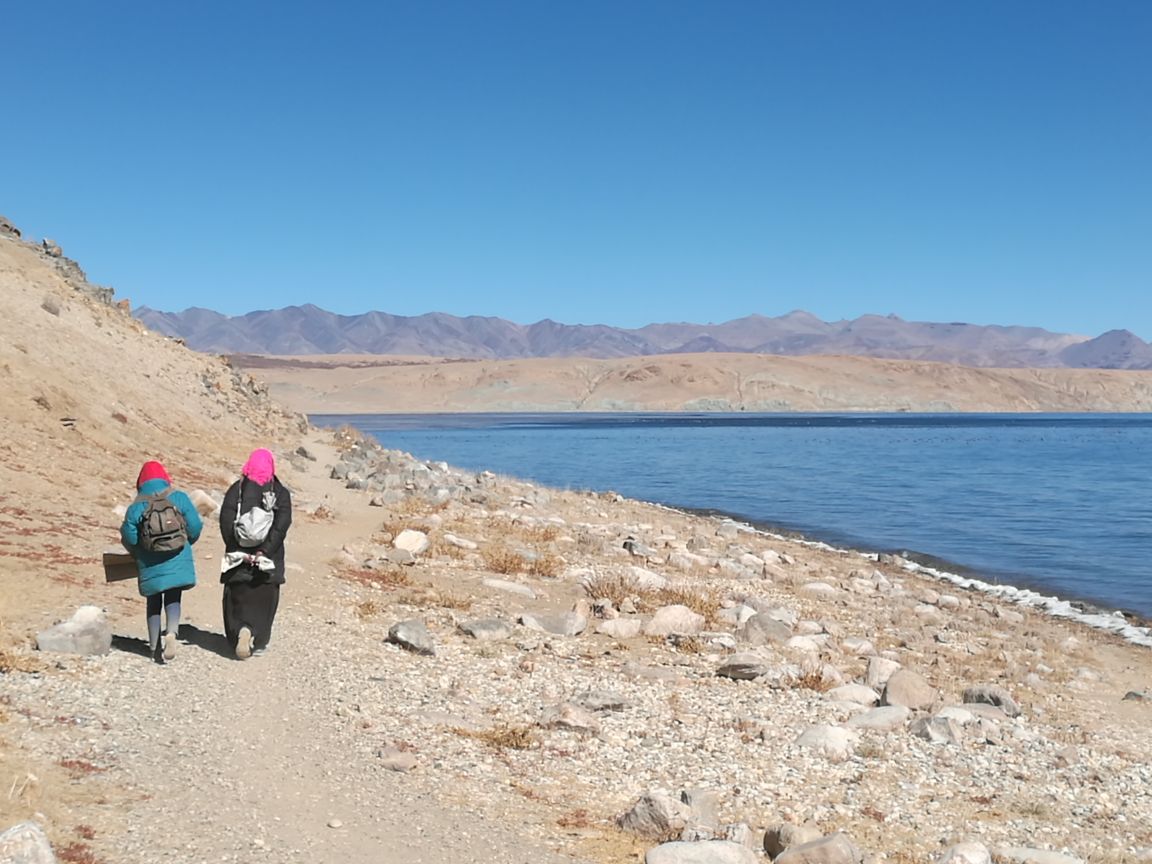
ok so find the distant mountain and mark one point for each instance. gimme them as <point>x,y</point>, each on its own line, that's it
<point>311,330</point>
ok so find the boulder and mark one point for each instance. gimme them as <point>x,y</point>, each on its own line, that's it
<point>509,587</point>
<point>786,835</point>
<point>857,693</point>
<point>938,730</point>
<point>7,229</point>
<point>992,694</point>
<point>600,700</point>
<point>909,689</point>
<point>86,632</point>
<point>412,635</point>
<point>656,814</point>
<point>1028,855</point>
<point>763,629</point>
<point>705,807</point>
<point>880,669</point>
<point>393,759</point>
<point>460,542</point>
<point>674,620</point>
<point>833,849</point>
<point>25,843</point>
<point>620,628</point>
<point>700,852</point>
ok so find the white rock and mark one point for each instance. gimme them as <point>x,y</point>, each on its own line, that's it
<point>410,540</point>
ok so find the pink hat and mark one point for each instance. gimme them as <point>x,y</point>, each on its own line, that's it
<point>260,467</point>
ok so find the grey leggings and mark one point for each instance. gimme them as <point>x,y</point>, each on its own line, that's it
<point>170,602</point>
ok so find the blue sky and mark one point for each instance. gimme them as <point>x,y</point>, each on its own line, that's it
<point>615,162</point>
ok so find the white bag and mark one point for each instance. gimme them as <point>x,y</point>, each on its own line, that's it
<point>253,527</point>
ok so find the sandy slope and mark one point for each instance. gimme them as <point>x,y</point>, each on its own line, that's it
<point>687,382</point>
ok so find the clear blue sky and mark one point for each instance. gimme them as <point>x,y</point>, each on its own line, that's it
<point>594,161</point>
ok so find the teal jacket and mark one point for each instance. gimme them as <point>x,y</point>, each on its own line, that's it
<point>162,571</point>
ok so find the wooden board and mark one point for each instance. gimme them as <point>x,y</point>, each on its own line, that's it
<point>118,565</point>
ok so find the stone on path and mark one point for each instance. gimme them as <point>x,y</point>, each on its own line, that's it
<point>86,632</point>
<point>571,717</point>
<point>412,541</point>
<point>909,689</point>
<point>676,620</point>
<point>833,742</point>
<point>485,629</point>
<point>833,849</point>
<point>393,759</point>
<point>25,843</point>
<point>883,719</point>
<point>966,853</point>
<point>700,852</point>
<point>620,628</point>
<point>562,624</point>
<point>412,635</point>
<point>742,667</point>
<point>510,587</point>
<point>763,629</point>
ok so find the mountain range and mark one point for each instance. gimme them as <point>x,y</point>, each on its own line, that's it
<point>308,329</point>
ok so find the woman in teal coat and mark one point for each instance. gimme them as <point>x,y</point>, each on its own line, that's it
<point>165,570</point>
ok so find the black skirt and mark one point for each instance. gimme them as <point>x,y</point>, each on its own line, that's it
<point>253,605</point>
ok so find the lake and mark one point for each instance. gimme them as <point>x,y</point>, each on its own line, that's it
<point>1059,503</point>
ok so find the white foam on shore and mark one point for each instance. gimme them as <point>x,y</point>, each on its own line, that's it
<point>1113,622</point>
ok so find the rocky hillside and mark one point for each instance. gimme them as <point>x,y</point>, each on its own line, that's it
<point>685,382</point>
<point>311,330</point>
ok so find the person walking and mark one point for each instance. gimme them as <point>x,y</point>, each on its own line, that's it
<point>254,520</point>
<point>159,529</point>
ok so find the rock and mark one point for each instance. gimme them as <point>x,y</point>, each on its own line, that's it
<point>656,814</point>
<point>335,823</point>
<point>393,759</point>
<point>880,669</point>
<point>305,453</point>
<point>7,229</point>
<point>786,835</point>
<point>909,689</point>
<point>674,620</point>
<point>646,579</point>
<point>966,853</point>
<point>705,807</point>
<point>25,843</point>
<point>857,646</point>
<point>600,700</point>
<point>700,852</point>
<point>763,629</point>
<point>620,628</point>
<point>412,635</point>
<point>86,632</point>
<point>833,742</point>
<point>938,730</point>
<point>571,717</point>
<point>740,832</point>
<point>1137,696</point>
<point>415,542</point>
<point>1027,855</point>
<point>857,693</point>
<point>485,629</point>
<point>833,849</point>
<point>51,248</point>
<point>992,694</point>
<point>883,719</point>
<point>818,590</point>
<point>742,667</point>
<point>562,624</point>
<point>204,503</point>
<point>509,587</point>
<point>460,542</point>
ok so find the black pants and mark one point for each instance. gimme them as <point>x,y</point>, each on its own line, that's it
<point>252,605</point>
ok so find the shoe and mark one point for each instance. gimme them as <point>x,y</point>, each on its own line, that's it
<point>170,645</point>
<point>244,644</point>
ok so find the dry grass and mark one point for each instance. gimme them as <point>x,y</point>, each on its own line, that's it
<point>808,679</point>
<point>500,559</point>
<point>502,737</point>
<point>579,818</point>
<point>701,599</point>
<point>391,578</point>
<point>368,609</point>
<point>10,661</point>
<point>77,853</point>
<point>547,565</point>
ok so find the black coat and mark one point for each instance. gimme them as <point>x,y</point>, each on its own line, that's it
<point>273,545</point>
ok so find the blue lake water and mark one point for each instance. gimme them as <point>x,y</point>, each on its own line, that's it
<point>1060,503</point>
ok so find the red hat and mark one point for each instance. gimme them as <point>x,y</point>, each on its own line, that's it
<point>152,471</point>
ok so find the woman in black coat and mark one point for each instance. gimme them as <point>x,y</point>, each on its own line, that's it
<point>254,520</point>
